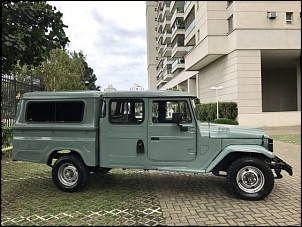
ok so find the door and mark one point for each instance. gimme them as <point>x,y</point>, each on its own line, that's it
<point>167,141</point>
<point>123,137</point>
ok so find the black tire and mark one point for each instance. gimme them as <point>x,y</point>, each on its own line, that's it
<point>250,178</point>
<point>70,173</point>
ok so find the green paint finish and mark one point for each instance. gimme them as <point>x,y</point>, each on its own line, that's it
<point>107,138</point>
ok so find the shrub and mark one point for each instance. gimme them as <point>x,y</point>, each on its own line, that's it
<point>6,134</point>
<point>225,121</point>
<point>207,111</point>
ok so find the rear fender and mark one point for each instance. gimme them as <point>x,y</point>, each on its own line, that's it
<point>239,148</point>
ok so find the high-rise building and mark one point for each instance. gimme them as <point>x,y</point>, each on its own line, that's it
<point>251,49</point>
<point>110,88</point>
<point>137,87</point>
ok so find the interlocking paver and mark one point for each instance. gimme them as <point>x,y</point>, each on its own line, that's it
<point>161,198</point>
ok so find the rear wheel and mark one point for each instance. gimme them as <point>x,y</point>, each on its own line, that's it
<point>69,173</point>
<point>250,178</point>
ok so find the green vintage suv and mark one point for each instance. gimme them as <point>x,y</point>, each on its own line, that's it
<point>80,132</point>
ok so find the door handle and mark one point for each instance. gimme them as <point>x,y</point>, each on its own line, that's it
<point>155,138</point>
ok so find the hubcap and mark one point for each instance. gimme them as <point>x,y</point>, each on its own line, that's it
<point>250,179</point>
<point>68,174</point>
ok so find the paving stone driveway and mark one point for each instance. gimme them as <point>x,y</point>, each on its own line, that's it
<point>188,199</point>
<point>166,198</point>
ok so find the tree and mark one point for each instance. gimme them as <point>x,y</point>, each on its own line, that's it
<point>89,77</point>
<point>60,71</point>
<point>30,30</point>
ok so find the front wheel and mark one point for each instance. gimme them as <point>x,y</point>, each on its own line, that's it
<point>69,173</point>
<point>250,178</point>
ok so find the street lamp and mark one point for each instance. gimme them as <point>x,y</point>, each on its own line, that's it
<point>216,89</point>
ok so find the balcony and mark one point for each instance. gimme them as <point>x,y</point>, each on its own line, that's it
<point>178,13</point>
<point>160,79</point>
<point>187,3</point>
<point>190,28</point>
<point>166,10</point>
<point>167,22</point>
<point>167,36</point>
<point>177,30</point>
<point>167,50</point>
<point>168,61</point>
<point>176,4</point>
<point>167,75</point>
<point>159,73</point>
<point>160,49</point>
<point>159,15</point>
<point>178,64</point>
<point>160,62</point>
<point>178,50</point>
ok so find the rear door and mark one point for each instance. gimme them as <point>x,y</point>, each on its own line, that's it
<point>123,137</point>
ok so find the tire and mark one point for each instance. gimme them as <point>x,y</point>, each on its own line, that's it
<point>250,178</point>
<point>69,173</point>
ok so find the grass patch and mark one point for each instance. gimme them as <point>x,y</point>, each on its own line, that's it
<point>289,138</point>
<point>29,197</point>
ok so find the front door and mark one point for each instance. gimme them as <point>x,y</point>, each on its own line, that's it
<point>167,141</point>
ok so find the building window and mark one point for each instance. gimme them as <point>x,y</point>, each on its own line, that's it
<point>155,38</point>
<point>155,19</point>
<point>156,29</point>
<point>289,17</point>
<point>155,9</point>
<point>198,35</point>
<point>156,58</point>
<point>231,23</point>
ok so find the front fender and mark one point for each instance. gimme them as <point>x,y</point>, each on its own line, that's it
<point>239,148</point>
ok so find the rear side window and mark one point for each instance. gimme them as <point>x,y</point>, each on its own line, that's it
<point>126,111</point>
<point>55,111</point>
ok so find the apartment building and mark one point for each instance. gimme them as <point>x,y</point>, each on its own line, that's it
<point>250,49</point>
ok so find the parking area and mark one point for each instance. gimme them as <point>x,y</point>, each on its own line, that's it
<point>28,196</point>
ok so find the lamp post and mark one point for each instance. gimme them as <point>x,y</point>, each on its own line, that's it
<point>216,89</point>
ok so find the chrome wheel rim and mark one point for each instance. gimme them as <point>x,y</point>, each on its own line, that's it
<point>68,174</point>
<point>250,179</point>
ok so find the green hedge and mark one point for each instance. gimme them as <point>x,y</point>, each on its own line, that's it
<point>225,121</point>
<point>207,111</point>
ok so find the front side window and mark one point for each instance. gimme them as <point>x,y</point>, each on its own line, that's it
<point>162,111</point>
<point>55,111</point>
<point>126,111</point>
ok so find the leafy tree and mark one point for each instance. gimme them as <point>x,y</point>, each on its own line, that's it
<point>89,77</point>
<point>30,30</point>
<point>60,71</point>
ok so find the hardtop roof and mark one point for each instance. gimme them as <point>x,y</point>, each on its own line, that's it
<point>97,94</point>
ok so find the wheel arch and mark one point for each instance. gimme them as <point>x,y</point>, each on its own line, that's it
<point>232,152</point>
<point>58,153</point>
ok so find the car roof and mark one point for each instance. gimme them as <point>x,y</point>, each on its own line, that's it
<point>98,94</point>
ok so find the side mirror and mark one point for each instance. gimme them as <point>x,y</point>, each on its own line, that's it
<point>176,118</point>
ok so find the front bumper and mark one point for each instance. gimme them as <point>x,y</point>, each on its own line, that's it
<point>278,165</point>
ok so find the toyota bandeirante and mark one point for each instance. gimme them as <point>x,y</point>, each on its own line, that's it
<point>80,132</point>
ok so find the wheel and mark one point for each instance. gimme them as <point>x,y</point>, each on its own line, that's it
<point>250,178</point>
<point>69,173</point>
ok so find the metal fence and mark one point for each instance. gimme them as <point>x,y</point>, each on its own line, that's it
<point>11,91</point>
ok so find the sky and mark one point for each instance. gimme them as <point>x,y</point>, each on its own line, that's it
<point>112,36</point>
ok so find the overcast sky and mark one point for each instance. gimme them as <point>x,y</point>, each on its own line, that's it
<point>112,36</point>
